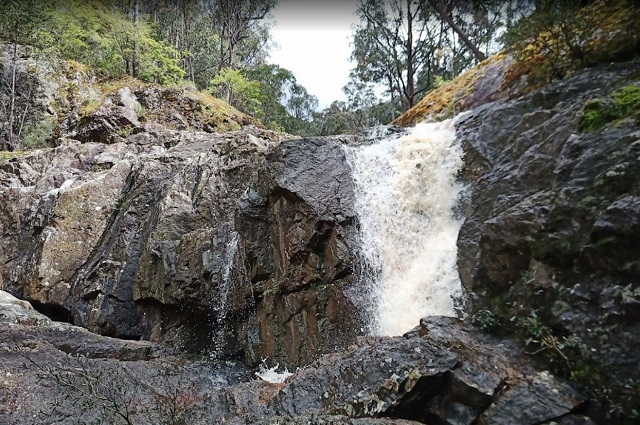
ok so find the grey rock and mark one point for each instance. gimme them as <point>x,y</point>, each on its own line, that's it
<point>551,222</point>
<point>180,243</point>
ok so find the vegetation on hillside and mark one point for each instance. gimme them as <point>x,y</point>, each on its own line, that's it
<point>553,41</point>
<point>218,47</point>
<point>405,53</point>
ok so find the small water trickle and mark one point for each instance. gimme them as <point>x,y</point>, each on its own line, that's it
<point>220,306</point>
<point>406,191</point>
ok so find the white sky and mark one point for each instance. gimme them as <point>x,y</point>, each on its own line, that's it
<point>313,39</point>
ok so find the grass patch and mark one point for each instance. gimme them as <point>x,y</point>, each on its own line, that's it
<point>6,155</point>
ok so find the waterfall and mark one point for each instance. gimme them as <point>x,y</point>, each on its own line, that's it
<point>220,306</point>
<point>406,190</point>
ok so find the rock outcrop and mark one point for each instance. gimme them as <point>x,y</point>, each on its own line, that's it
<point>233,243</point>
<point>441,372</point>
<point>549,247</point>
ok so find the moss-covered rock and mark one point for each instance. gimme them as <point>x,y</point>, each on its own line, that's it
<point>619,105</point>
<point>608,31</point>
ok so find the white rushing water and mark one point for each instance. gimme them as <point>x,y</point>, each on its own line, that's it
<point>406,191</point>
<point>271,374</point>
<point>220,306</point>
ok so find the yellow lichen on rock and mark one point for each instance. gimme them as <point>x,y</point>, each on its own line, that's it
<point>460,93</point>
<point>607,31</point>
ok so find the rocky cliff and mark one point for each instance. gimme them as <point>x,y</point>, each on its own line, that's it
<point>215,242</point>
<point>244,243</point>
<point>548,250</point>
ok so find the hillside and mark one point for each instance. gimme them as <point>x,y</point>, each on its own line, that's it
<point>608,32</point>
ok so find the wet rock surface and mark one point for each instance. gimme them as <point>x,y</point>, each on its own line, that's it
<point>548,250</point>
<point>441,372</point>
<point>235,243</point>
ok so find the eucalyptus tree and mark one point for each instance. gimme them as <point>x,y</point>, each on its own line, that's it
<point>409,45</point>
<point>391,44</point>
<point>213,35</point>
<point>241,28</point>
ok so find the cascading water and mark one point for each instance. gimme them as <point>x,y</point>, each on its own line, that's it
<point>406,190</point>
<point>221,307</point>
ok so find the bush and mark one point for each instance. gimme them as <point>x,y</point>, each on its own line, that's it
<point>39,136</point>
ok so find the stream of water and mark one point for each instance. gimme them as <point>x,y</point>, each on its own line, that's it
<point>221,307</point>
<point>406,191</point>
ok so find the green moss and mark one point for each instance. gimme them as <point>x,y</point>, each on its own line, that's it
<point>588,202</point>
<point>5,155</point>
<point>627,99</point>
<point>596,113</point>
<point>621,104</point>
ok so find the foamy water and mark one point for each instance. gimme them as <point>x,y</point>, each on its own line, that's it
<point>271,374</point>
<point>406,190</point>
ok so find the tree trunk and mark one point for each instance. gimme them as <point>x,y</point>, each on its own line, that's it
<point>12,107</point>
<point>456,28</point>
<point>410,93</point>
<point>136,39</point>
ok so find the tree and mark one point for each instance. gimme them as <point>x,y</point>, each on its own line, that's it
<point>408,45</point>
<point>19,24</point>
<point>240,92</point>
<point>269,93</point>
<point>444,11</point>
<point>111,39</point>
<point>391,45</point>
<point>187,27</point>
<point>363,107</point>
<point>238,21</point>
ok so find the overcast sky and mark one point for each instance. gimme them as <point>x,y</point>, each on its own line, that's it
<point>313,42</point>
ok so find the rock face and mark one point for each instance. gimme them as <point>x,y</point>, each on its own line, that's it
<point>441,372</point>
<point>438,373</point>
<point>235,243</point>
<point>549,248</point>
<point>140,226</point>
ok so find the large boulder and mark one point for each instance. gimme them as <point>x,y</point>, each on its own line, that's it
<point>235,243</point>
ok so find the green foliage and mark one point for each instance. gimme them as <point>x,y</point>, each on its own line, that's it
<point>240,92</point>
<point>551,37</point>
<point>621,104</point>
<point>20,20</point>
<point>212,35</point>
<point>105,38</point>
<point>158,62</point>
<point>273,288</point>
<point>39,135</point>
<point>269,93</point>
<point>627,100</point>
<point>560,37</point>
<point>486,320</point>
